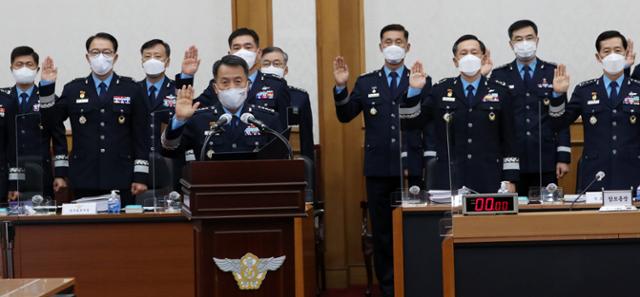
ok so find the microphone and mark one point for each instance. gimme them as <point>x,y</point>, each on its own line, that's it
<point>448,118</point>
<point>222,120</point>
<point>248,118</point>
<point>599,176</point>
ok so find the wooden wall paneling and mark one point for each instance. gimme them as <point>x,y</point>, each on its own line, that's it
<point>254,14</point>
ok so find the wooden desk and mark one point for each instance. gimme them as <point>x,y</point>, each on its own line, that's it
<point>417,240</point>
<point>39,287</point>
<point>579,253</point>
<point>150,254</point>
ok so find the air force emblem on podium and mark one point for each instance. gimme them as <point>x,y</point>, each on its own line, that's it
<point>249,271</point>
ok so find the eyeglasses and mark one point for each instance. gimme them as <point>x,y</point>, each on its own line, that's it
<point>106,52</point>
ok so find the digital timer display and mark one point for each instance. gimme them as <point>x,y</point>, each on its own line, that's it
<point>490,203</point>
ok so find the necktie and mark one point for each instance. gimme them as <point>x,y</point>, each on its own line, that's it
<point>24,103</point>
<point>393,87</point>
<point>102,90</point>
<point>470,89</point>
<point>614,90</point>
<point>527,75</point>
<point>152,94</point>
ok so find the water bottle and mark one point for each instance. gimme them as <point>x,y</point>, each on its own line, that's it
<point>113,204</point>
<point>637,198</point>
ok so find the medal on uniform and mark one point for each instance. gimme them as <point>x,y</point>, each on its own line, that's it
<point>594,95</point>
<point>449,92</point>
<point>593,120</point>
<point>82,94</point>
<point>82,120</point>
<point>121,119</point>
<point>633,119</point>
<point>492,116</point>
<point>210,154</point>
<point>546,101</point>
<point>373,111</point>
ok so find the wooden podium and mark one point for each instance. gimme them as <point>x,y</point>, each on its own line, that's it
<point>241,207</point>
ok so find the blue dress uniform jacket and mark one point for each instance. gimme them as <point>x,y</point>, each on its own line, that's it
<point>611,132</point>
<point>301,108</point>
<point>481,135</point>
<point>267,90</point>
<point>382,118</point>
<point>556,147</point>
<point>8,170</point>
<point>34,138</point>
<point>161,110</point>
<point>110,135</point>
<point>189,138</point>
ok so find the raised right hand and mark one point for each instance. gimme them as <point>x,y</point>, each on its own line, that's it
<point>340,71</point>
<point>49,70</point>
<point>190,62</point>
<point>184,103</point>
<point>561,79</point>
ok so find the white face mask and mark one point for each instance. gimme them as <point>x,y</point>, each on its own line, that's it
<point>232,98</point>
<point>277,71</point>
<point>153,67</point>
<point>613,63</point>
<point>525,49</point>
<point>469,65</point>
<point>24,75</point>
<point>248,56</point>
<point>393,54</point>
<point>101,64</point>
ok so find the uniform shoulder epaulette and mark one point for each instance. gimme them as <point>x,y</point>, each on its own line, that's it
<point>126,79</point>
<point>272,76</point>
<point>444,80</point>
<point>633,80</point>
<point>298,89</point>
<point>5,90</point>
<point>549,63</point>
<point>79,79</point>
<point>207,109</point>
<point>506,65</point>
<point>587,82</point>
<point>267,110</point>
<point>370,73</point>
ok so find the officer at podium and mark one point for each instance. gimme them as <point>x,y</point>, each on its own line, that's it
<point>610,109</point>
<point>224,122</point>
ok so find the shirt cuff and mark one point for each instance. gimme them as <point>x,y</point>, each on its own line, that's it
<point>413,92</point>
<point>176,124</point>
<point>46,82</point>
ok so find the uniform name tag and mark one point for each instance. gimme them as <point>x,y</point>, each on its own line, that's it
<point>121,100</point>
<point>82,100</point>
<point>449,99</point>
<point>593,102</point>
<point>373,95</point>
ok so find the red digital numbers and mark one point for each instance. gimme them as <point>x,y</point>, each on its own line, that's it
<point>490,204</point>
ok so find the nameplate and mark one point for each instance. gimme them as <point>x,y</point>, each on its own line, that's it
<point>617,198</point>
<point>593,197</point>
<point>79,208</point>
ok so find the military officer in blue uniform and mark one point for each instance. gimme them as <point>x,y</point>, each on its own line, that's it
<point>265,90</point>
<point>274,61</point>
<point>477,113</point>
<point>378,95</point>
<point>160,97</point>
<point>530,81</point>
<point>190,126</point>
<point>33,141</point>
<point>610,108</point>
<point>9,172</point>
<point>109,122</point>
